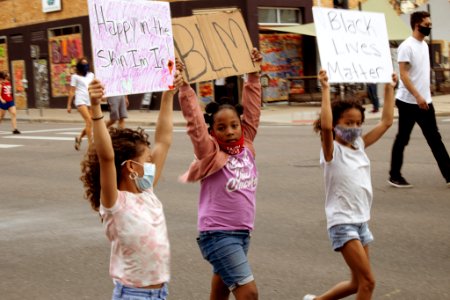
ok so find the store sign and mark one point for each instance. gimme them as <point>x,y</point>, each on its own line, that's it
<point>353,45</point>
<point>51,5</point>
<point>132,45</point>
<point>213,45</point>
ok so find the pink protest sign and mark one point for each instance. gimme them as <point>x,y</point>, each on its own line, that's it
<point>132,45</point>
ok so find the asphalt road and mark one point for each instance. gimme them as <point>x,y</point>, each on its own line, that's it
<point>52,244</point>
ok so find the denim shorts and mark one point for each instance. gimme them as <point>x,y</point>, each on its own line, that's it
<point>122,292</point>
<point>227,251</point>
<point>342,233</point>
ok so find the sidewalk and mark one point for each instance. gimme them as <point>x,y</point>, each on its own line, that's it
<point>271,114</point>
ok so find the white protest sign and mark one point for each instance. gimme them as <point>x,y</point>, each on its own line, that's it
<point>353,45</point>
<point>132,45</point>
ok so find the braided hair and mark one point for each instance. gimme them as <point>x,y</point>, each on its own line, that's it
<point>214,107</point>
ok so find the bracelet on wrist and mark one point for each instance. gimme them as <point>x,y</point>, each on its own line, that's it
<point>97,118</point>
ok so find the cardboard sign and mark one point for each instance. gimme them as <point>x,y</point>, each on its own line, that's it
<point>132,45</point>
<point>213,46</point>
<point>353,45</point>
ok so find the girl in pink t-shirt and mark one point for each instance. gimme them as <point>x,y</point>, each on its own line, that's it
<point>225,166</point>
<point>119,173</point>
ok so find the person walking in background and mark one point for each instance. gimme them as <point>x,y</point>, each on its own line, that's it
<point>117,110</point>
<point>119,173</point>
<point>372,93</point>
<point>414,101</point>
<point>225,167</point>
<point>78,91</point>
<point>348,186</point>
<point>7,101</point>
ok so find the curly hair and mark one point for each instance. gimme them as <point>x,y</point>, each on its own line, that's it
<point>214,107</point>
<point>127,144</point>
<point>338,107</point>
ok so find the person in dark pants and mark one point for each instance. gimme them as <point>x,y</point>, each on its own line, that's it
<point>373,96</point>
<point>414,101</point>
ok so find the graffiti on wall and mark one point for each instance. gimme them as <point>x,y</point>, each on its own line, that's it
<point>41,85</point>
<point>18,76</point>
<point>64,50</point>
<point>281,58</point>
<point>4,57</point>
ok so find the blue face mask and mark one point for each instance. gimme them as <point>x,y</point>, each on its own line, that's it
<point>146,181</point>
<point>348,134</point>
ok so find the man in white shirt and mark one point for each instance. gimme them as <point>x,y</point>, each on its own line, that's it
<point>414,103</point>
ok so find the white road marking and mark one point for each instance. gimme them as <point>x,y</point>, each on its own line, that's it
<point>52,130</point>
<point>31,137</point>
<point>5,146</point>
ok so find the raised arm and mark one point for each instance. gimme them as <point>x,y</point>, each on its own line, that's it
<point>164,128</point>
<point>103,147</point>
<point>326,118</point>
<point>387,116</point>
<point>196,126</point>
<point>251,99</point>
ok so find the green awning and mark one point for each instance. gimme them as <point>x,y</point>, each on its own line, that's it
<point>396,27</point>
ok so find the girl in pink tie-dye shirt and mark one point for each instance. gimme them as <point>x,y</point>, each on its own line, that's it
<point>119,173</point>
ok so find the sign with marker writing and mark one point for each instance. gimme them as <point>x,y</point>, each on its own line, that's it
<point>213,45</point>
<point>353,45</point>
<point>132,45</point>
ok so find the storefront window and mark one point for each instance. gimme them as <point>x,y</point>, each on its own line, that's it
<point>269,15</point>
<point>289,16</point>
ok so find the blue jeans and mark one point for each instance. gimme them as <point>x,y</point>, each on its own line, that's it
<point>408,115</point>
<point>122,292</point>
<point>227,251</point>
<point>343,233</point>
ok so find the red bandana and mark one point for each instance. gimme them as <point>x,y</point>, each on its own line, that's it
<point>232,148</point>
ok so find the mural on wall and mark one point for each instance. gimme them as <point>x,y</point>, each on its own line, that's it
<point>281,58</point>
<point>64,50</point>
<point>4,57</point>
<point>18,77</point>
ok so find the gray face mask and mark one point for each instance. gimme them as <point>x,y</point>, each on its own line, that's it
<point>348,134</point>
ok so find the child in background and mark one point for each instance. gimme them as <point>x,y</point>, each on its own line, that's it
<point>119,173</point>
<point>7,101</point>
<point>348,186</point>
<point>225,167</point>
<point>78,94</point>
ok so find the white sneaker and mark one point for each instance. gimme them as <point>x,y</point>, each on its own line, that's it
<point>309,297</point>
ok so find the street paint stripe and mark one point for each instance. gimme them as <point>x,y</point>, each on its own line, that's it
<point>5,146</point>
<point>52,130</point>
<point>30,137</point>
<point>445,120</point>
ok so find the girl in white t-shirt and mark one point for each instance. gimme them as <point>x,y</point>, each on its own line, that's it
<point>79,83</point>
<point>119,173</point>
<point>348,186</point>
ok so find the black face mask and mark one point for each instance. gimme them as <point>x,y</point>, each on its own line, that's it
<point>83,69</point>
<point>425,30</point>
